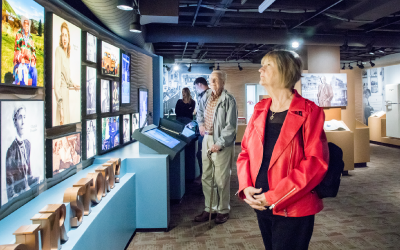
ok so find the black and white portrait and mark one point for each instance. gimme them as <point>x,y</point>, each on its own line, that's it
<point>91,46</point>
<point>126,133</point>
<point>105,96</point>
<point>90,90</point>
<point>135,121</point>
<point>22,147</point>
<point>90,138</point>
<point>115,96</point>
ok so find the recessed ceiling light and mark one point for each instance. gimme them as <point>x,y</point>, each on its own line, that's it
<point>125,4</point>
<point>295,44</point>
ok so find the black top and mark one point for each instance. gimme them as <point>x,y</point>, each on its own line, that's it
<point>185,109</point>
<point>272,130</point>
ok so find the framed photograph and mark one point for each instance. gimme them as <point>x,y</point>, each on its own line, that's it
<point>91,48</point>
<point>109,59</point>
<point>66,54</point>
<point>22,147</point>
<point>109,133</point>
<point>90,90</point>
<point>143,108</point>
<point>115,96</point>
<point>91,149</point>
<point>66,153</point>
<point>135,123</point>
<point>126,135</point>
<point>125,80</point>
<point>326,90</point>
<point>22,43</point>
<point>105,96</point>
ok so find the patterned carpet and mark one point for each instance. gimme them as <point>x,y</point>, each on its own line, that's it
<point>365,215</point>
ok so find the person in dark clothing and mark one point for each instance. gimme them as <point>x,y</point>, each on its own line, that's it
<point>185,107</point>
<point>201,86</point>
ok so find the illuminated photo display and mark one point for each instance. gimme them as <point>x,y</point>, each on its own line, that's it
<point>66,72</point>
<point>90,90</point>
<point>143,98</point>
<point>66,152</point>
<point>109,132</point>
<point>22,147</point>
<point>126,132</point>
<point>115,96</point>
<point>135,121</point>
<point>125,80</point>
<point>109,59</point>
<point>91,46</point>
<point>90,138</point>
<point>22,43</point>
<point>105,96</point>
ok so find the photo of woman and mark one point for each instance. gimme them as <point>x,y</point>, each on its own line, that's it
<point>66,152</point>
<point>66,72</point>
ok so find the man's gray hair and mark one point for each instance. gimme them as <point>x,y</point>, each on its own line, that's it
<point>221,74</point>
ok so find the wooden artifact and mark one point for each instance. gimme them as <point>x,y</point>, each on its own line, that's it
<point>111,167</point>
<point>13,247</point>
<point>74,196</point>
<point>117,168</point>
<point>97,187</point>
<point>104,172</point>
<point>85,183</point>
<point>60,212</point>
<point>28,236</point>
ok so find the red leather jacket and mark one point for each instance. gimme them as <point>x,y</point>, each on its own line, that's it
<point>298,163</point>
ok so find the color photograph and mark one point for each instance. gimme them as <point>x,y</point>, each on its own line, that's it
<point>91,47</point>
<point>126,134</point>
<point>22,147</point>
<point>142,107</point>
<point>109,59</point>
<point>91,138</point>
<point>109,132</point>
<point>325,90</point>
<point>90,90</point>
<point>125,79</point>
<point>66,152</point>
<point>115,96</point>
<point>22,43</point>
<point>66,72</point>
<point>105,96</point>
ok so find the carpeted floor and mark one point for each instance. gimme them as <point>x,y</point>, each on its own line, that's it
<point>365,215</point>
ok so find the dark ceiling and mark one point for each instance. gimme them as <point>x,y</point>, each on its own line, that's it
<point>234,30</point>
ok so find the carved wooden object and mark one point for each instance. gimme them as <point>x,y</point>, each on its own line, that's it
<point>106,177</point>
<point>60,212</point>
<point>97,187</point>
<point>13,247</point>
<point>117,168</point>
<point>85,183</point>
<point>74,196</point>
<point>29,236</point>
<point>110,167</point>
<point>49,232</point>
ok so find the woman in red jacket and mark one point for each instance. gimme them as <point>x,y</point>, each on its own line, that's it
<point>284,156</point>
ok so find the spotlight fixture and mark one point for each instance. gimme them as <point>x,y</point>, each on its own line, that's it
<point>211,67</point>
<point>218,67</point>
<point>361,65</point>
<point>168,68</point>
<point>265,5</point>
<point>135,26</point>
<point>240,68</point>
<point>190,68</point>
<point>350,67</point>
<point>344,66</point>
<point>372,64</point>
<point>125,4</point>
<point>295,44</point>
<point>176,67</point>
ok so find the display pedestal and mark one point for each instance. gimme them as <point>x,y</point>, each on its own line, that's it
<point>377,131</point>
<point>344,140</point>
<point>361,144</point>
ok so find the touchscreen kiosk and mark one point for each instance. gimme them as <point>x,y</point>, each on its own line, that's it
<point>183,132</point>
<point>162,137</point>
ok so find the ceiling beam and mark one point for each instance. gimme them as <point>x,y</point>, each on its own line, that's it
<point>218,14</point>
<point>197,11</point>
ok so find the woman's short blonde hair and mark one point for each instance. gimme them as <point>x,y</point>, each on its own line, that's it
<point>289,66</point>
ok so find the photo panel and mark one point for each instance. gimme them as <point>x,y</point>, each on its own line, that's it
<point>109,133</point>
<point>91,149</point>
<point>22,147</point>
<point>66,90</point>
<point>66,152</point>
<point>143,108</point>
<point>325,90</point>
<point>125,80</point>
<point>22,43</point>
<point>126,127</point>
<point>91,48</point>
<point>105,96</point>
<point>109,59</point>
<point>91,80</point>
<point>115,96</point>
<point>135,122</point>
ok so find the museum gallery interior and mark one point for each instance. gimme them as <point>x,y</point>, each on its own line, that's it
<point>93,156</point>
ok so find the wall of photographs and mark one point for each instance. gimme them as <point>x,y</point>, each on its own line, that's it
<point>81,86</point>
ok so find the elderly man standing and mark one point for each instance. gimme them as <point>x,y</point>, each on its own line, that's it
<point>325,93</point>
<point>217,118</point>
